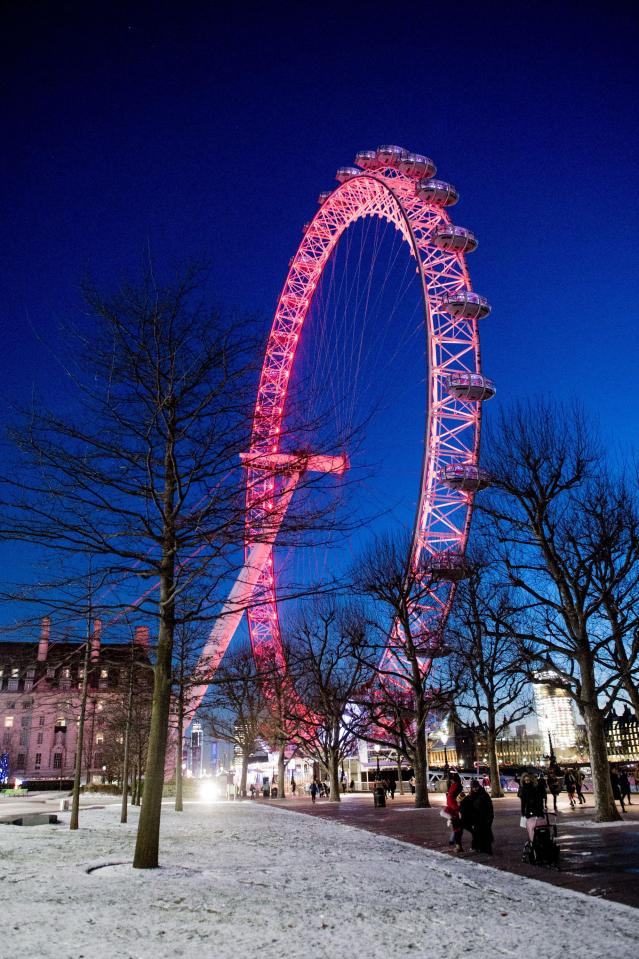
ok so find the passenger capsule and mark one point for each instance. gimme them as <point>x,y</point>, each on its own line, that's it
<point>455,238</point>
<point>470,386</point>
<point>416,166</point>
<point>367,159</point>
<point>389,155</point>
<point>450,565</point>
<point>465,305</point>
<point>464,476</point>
<point>437,192</point>
<point>323,197</point>
<point>346,173</point>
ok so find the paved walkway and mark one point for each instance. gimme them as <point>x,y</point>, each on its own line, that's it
<point>600,860</point>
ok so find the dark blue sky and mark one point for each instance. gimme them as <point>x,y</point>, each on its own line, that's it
<point>196,130</point>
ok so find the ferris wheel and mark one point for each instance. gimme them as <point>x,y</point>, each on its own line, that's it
<point>389,185</point>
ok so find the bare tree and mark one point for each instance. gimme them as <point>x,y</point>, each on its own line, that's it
<point>486,661</point>
<point>143,474</point>
<point>547,472</point>
<point>328,672</point>
<point>236,707</point>
<point>404,645</point>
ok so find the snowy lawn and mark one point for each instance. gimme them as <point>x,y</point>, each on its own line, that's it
<point>249,879</point>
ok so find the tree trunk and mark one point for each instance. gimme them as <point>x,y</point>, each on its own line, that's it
<point>491,744</point>
<point>632,691</point>
<point>281,770</point>
<point>400,780</point>
<point>244,776</point>
<point>125,761</point>
<point>605,808</point>
<point>179,804</point>
<point>148,837</point>
<point>420,764</point>
<point>333,758</point>
<point>74,822</point>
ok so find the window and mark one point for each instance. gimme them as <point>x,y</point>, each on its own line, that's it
<point>6,739</point>
<point>11,705</point>
<point>61,723</point>
<point>40,720</point>
<point>25,722</point>
<point>28,685</point>
<point>50,672</point>
<point>24,737</point>
<point>30,672</point>
<point>99,739</point>
<point>20,762</point>
<point>57,760</point>
<point>38,760</point>
<point>40,738</point>
<point>104,674</point>
<point>15,673</point>
<point>27,704</point>
<point>8,722</point>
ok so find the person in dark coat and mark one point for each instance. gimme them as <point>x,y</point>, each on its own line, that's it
<point>570,782</point>
<point>542,789</point>
<point>616,788</point>
<point>554,785</point>
<point>532,803</point>
<point>624,786</point>
<point>482,818</point>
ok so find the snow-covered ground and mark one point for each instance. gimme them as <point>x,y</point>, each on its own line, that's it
<point>249,879</point>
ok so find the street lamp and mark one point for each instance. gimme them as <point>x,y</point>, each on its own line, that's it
<point>377,748</point>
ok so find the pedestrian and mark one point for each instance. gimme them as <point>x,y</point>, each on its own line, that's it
<point>579,779</point>
<point>616,787</point>
<point>252,791</point>
<point>570,782</point>
<point>554,786</point>
<point>293,785</point>
<point>453,811</point>
<point>411,783</point>
<point>624,785</point>
<point>313,791</point>
<point>391,788</point>
<point>532,804</point>
<point>542,789</point>
<point>481,817</point>
<point>351,785</point>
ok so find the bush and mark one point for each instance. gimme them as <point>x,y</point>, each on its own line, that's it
<point>107,789</point>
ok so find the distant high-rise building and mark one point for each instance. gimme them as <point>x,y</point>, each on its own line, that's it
<point>554,710</point>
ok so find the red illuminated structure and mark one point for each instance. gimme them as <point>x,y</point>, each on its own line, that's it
<point>397,186</point>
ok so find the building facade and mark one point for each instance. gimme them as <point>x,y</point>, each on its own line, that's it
<point>622,737</point>
<point>555,713</point>
<point>40,697</point>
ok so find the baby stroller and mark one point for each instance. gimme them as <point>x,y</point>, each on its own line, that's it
<point>541,848</point>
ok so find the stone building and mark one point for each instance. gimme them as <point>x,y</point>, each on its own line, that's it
<point>622,737</point>
<point>40,696</point>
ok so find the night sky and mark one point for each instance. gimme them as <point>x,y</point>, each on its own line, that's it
<point>198,130</point>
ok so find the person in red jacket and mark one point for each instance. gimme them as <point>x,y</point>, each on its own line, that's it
<point>453,797</point>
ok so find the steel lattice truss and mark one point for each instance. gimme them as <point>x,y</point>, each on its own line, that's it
<point>450,474</point>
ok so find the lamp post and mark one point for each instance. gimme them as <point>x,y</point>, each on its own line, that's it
<point>377,748</point>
